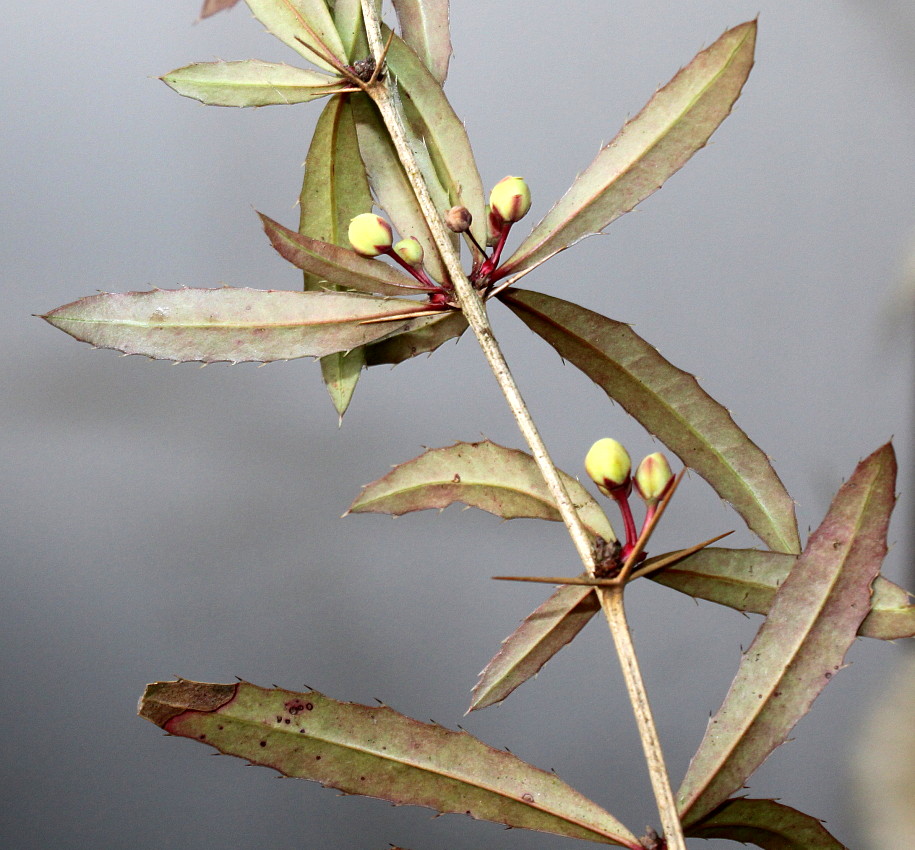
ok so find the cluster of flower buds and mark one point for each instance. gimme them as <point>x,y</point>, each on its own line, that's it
<point>371,236</point>
<point>609,466</point>
<point>509,201</point>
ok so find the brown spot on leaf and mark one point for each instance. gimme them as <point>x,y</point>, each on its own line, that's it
<point>456,479</point>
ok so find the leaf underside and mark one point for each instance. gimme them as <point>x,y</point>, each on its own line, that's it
<point>505,482</point>
<point>376,752</point>
<point>675,123</point>
<point>670,404</point>
<point>297,21</point>
<point>802,643</point>
<point>426,336</point>
<point>424,26</point>
<point>233,325</point>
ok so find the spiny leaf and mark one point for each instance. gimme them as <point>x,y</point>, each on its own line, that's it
<point>234,325</point>
<point>308,20</point>
<point>675,123</point>
<point>424,26</point>
<point>331,264</point>
<point>504,482</point>
<point>811,624</point>
<point>426,335</point>
<point>670,404</point>
<point>350,26</point>
<point>250,82</point>
<point>539,637</point>
<point>376,752</point>
<point>766,824</point>
<point>747,580</point>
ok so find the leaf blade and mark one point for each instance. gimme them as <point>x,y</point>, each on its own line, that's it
<point>675,123</point>
<point>670,404</point>
<point>811,624</point>
<point>374,751</point>
<point>424,27</point>
<point>291,20</point>
<point>425,337</point>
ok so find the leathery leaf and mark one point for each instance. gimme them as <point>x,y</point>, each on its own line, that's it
<point>424,24</point>
<point>308,20</point>
<point>376,752</point>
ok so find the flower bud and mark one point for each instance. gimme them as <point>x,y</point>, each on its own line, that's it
<point>370,235</point>
<point>653,477</point>
<point>510,199</point>
<point>410,251</point>
<point>608,464</point>
<point>458,219</point>
<point>493,227</point>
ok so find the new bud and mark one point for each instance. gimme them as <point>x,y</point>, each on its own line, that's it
<point>370,235</point>
<point>653,477</point>
<point>608,464</point>
<point>458,219</point>
<point>510,199</point>
<point>410,251</point>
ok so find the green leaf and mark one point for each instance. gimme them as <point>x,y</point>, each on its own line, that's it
<point>235,325</point>
<point>539,637</point>
<point>670,404</point>
<point>747,580</point>
<point>335,188</point>
<point>249,83</point>
<point>424,25</point>
<point>330,265</point>
<point>426,335</point>
<point>308,20</point>
<point>443,133</point>
<point>766,824</point>
<point>504,482</point>
<point>351,28</point>
<point>675,123</point>
<point>811,624</point>
<point>376,752</point>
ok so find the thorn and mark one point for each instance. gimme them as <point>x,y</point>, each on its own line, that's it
<point>239,678</point>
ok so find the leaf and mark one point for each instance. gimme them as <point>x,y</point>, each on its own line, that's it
<point>211,7</point>
<point>335,189</point>
<point>747,580</point>
<point>392,189</point>
<point>504,482</point>
<point>332,265</point>
<point>675,123</point>
<point>234,325</point>
<point>426,335</point>
<point>291,20</point>
<point>539,637</point>
<point>349,23</point>
<point>811,624</point>
<point>443,133</point>
<point>671,405</point>
<point>376,752</point>
<point>424,27</point>
<point>249,83</point>
<point>766,824</point>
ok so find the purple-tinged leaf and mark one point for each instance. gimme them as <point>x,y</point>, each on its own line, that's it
<point>211,7</point>
<point>376,752</point>
<point>426,336</point>
<point>335,189</point>
<point>332,265</point>
<point>812,622</point>
<point>539,637</point>
<point>747,580</point>
<point>234,325</point>
<point>308,20</point>
<point>675,123</point>
<point>671,405</point>
<point>766,824</point>
<point>505,482</point>
<point>424,27</point>
<point>443,133</point>
<point>250,82</point>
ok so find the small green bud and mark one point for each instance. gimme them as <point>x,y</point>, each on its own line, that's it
<point>370,235</point>
<point>653,477</point>
<point>409,250</point>
<point>458,219</point>
<point>608,464</point>
<point>510,199</point>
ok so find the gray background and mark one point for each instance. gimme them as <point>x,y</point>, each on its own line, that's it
<point>160,521</point>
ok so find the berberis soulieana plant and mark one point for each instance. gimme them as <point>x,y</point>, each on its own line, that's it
<point>383,288</point>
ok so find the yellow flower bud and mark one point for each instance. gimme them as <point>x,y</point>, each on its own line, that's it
<point>510,199</point>
<point>409,250</point>
<point>370,235</point>
<point>608,464</point>
<point>653,477</point>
